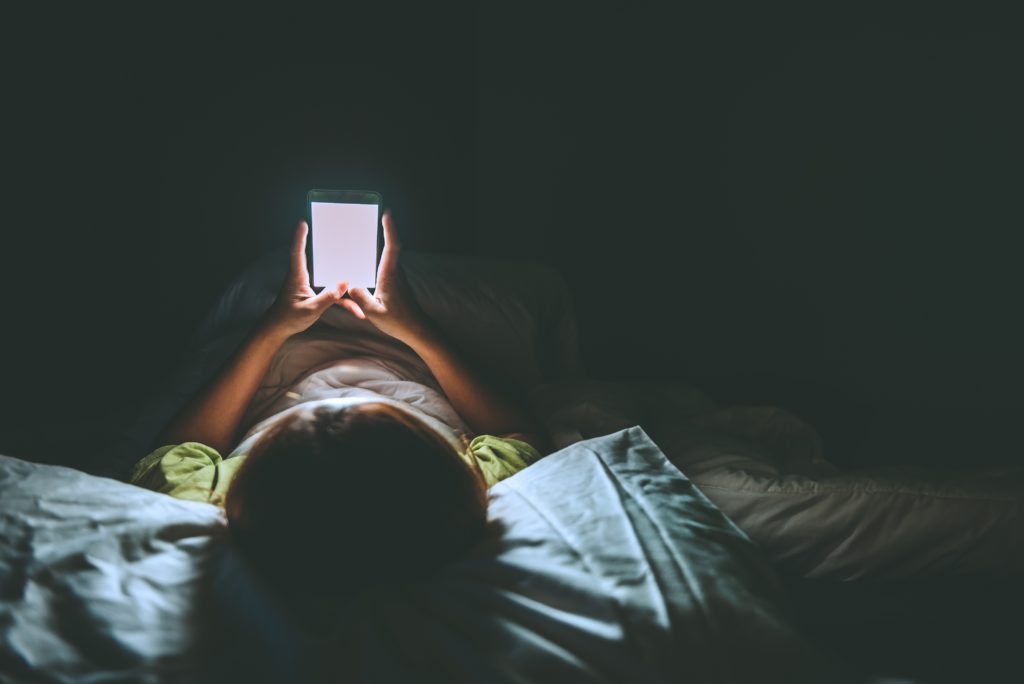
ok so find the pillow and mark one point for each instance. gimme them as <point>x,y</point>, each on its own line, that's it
<point>609,566</point>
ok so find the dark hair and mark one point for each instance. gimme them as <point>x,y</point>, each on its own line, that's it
<point>349,497</point>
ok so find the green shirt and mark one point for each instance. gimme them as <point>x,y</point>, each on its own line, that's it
<point>196,472</point>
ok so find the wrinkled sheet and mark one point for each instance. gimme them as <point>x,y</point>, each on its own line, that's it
<point>612,566</point>
<point>98,579</point>
<point>766,469</point>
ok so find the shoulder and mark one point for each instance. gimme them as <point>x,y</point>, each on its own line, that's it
<point>187,471</point>
<point>505,445</point>
<point>501,457</point>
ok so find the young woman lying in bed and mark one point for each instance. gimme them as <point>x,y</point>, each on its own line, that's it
<point>339,493</point>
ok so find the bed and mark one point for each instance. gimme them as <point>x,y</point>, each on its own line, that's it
<point>763,466</point>
<point>644,554</point>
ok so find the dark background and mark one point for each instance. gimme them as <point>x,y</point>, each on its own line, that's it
<point>818,210</point>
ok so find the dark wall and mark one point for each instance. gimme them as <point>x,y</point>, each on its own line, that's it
<point>151,157</point>
<point>813,209</point>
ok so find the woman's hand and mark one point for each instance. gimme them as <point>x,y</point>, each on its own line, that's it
<point>213,416</point>
<point>297,307</point>
<point>392,308</point>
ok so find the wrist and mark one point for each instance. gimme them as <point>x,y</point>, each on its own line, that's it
<point>421,336</point>
<point>272,330</point>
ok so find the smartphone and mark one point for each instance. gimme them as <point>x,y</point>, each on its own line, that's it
<point>345,237</point>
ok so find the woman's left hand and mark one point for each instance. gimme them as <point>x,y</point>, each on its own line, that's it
<point>392,308</point>
<point>297,307</point>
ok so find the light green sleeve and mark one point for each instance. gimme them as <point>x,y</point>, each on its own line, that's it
<point>499,458</point>
<point>190,470</point>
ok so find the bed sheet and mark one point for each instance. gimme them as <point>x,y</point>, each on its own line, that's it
<point>766,469</point>
<point>611,566</point>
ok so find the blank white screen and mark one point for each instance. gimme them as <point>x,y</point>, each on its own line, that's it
<point>344,244</point>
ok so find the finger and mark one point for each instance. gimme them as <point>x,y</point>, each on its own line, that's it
<point>365,300</point>
<point>298,266</point>
<point>390,235</point>
<point>329,296</point>
<point>389,259</point>
<point>353,307</point>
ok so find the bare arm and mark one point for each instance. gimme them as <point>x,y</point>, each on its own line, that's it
<point>479,404</point>
<point>393,309</point>
<point>483,408</point>
<point>213,416</point>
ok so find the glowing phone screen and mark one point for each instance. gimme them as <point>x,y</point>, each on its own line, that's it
<point>344,244</point>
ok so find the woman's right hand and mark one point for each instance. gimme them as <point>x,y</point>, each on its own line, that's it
<point>392,308</point>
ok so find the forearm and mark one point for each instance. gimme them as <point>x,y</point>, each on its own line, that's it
<point>484,409</point>
<point>214,415</point>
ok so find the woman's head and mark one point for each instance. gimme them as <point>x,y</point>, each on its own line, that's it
<point>332,498</point>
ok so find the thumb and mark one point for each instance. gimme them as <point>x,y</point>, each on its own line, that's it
<point>325,299</point>
<point>365,300</point>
